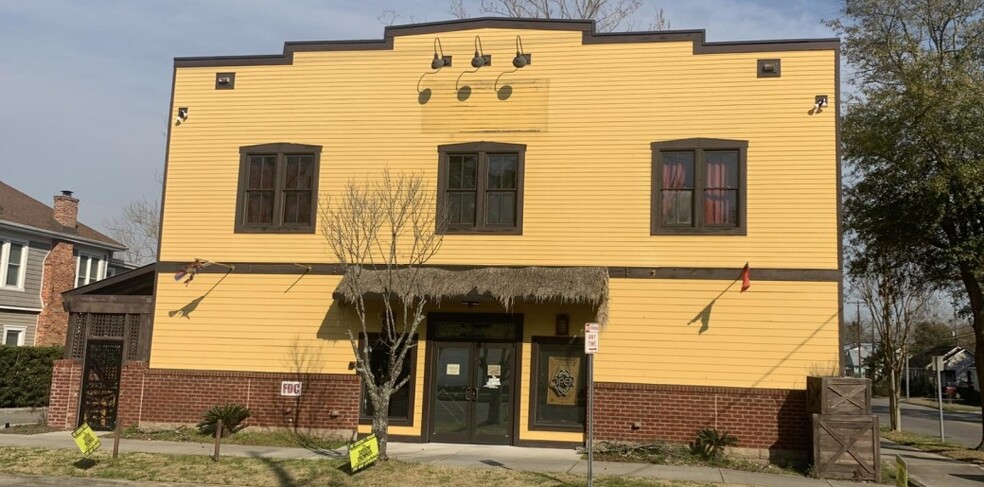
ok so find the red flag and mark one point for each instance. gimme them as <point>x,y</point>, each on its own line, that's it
<point>746,280</point>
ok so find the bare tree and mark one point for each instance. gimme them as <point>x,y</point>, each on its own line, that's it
<point>609,15</point>
<point>382,233</point>
<point>896,298</point>
<point>137,227</point>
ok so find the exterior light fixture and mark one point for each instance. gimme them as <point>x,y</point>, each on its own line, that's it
<point>480,59</point>
<point>522,59</point>
<point>819,103</point>
<point>440,60</point>
<point>181,116</point>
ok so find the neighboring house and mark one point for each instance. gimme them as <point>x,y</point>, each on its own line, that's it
<point>623,178</point>
<point>44,251</point>
<point>853,365</point>
<point>959,368</point>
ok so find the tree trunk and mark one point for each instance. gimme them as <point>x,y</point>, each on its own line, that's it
<point>895,410</point>
<point>380,422</point>
<point>976,298</point>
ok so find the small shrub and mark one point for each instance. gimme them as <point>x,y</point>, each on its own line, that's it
<point>710,444</point>
<point>232,416</point>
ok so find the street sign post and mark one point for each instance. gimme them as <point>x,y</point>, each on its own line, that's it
<point>938,365</point>
<point>590,349</point>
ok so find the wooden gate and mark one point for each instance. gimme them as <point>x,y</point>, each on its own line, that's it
<point>101,372</point>
<point>846,447</point>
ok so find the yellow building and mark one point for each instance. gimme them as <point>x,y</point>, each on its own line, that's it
<point>650,166</point>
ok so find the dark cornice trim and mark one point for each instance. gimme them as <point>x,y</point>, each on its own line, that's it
<point>697,273</point>
<point>586,27</point>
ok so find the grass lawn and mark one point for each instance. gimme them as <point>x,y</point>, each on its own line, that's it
<point>28,429</point>
<point>261,472</point>
<point>933,445</point>
<point>953,408</point>
<point>245,437</point>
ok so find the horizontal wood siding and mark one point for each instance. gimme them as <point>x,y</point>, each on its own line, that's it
<point>26,319</point>
<point>772,336</point>
<point>30,296</point>
<point>587,114</point>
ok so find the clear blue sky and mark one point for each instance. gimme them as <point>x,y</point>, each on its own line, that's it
<point>84,85</point>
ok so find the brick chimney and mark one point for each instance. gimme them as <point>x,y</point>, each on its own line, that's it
<point>67,210</point>
<point>58,275</point>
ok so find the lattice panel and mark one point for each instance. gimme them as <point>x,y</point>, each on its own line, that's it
<point>107,325</point>
<point>133,337</point>
<point>78,335</point>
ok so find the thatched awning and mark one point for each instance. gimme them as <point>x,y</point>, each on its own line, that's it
<point>566,285</point>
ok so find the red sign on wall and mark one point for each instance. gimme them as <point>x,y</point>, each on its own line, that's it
<point>290,388</point>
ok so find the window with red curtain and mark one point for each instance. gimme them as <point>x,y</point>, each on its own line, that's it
<point>698,186</point>
<point>721,189</point>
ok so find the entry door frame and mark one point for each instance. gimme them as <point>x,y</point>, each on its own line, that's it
<point>430,372</point>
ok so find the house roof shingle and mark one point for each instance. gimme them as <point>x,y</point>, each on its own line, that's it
<point>19,208</point>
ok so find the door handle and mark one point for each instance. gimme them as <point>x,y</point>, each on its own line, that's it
<point>471,393</point>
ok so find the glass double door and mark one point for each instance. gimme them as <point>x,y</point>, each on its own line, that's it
<point>474,393</point>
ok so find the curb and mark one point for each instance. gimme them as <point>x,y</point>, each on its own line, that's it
<point>23,410</point>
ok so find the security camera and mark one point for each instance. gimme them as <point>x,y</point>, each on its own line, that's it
<point>181,116</point>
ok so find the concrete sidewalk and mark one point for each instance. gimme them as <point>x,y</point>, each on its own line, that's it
<point>932,470</point>
<point>541,460</point>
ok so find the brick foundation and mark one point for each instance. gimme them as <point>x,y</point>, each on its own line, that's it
<point>773,419</point>
<point>151,397</point>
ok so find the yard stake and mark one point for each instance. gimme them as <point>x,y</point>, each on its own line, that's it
<point>218,439</point>
<point>116,440</point>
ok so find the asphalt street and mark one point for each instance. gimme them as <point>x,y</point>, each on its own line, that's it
<point>19,416</point>
<point>960,428</point>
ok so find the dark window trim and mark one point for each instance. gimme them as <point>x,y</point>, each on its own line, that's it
<point>411,384</point>
<point>698,145</point>
<point>535,342</point>
<point>482,148</point>
<point>279,149</point>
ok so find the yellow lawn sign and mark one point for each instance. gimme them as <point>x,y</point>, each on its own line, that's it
<point>363,453</point>
<point>86,440</point>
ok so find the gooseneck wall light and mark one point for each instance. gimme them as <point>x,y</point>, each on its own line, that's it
<point>479,61</point>
<point>440,61</point>
<point>521,60</point>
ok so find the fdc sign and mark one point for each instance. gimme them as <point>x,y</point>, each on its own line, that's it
<point>290,388</point>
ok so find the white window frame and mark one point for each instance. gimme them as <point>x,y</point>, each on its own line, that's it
<point>5,261</point>
<point>89,259</point>
<point>20,339</point>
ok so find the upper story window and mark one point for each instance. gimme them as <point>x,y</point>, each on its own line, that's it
<point>278,188</point>
<point>481,188</point>
<point>699,187</point>
<point>13,263</point>
<point>13,336</point>
<point>88,269</point>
